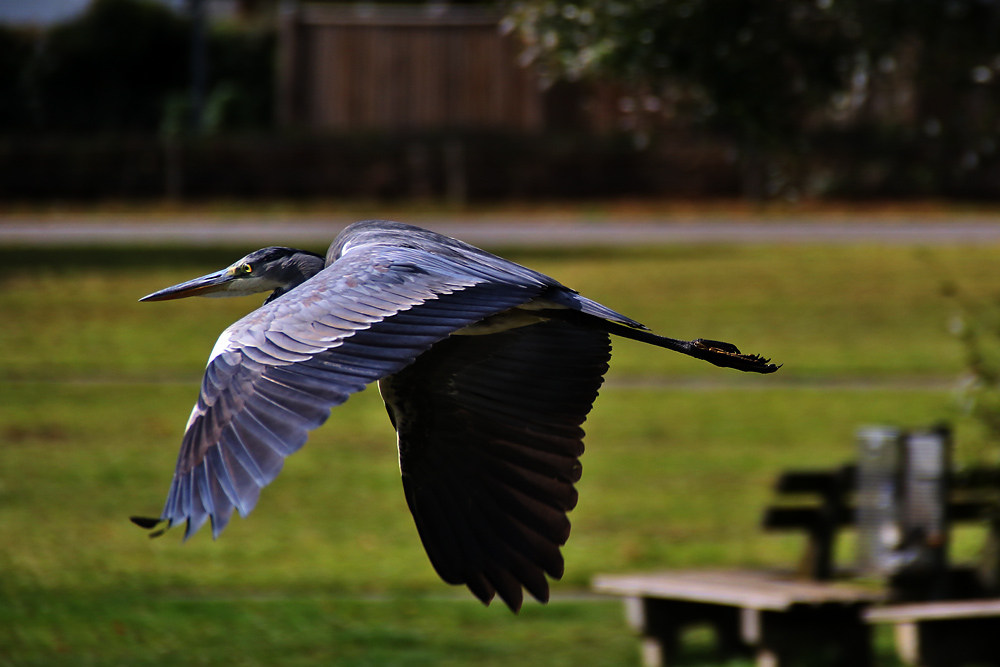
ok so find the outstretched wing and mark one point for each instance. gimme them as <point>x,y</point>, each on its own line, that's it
<point>275,374</point>
<point>489,443</point>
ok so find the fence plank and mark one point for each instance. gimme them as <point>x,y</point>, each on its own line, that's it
<point>392,68</point>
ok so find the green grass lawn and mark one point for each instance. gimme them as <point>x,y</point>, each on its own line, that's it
<point>95,389</point>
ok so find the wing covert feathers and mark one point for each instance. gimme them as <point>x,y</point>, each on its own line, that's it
<point>275,374</point>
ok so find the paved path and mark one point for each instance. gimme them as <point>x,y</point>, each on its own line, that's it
<point>319,231</point>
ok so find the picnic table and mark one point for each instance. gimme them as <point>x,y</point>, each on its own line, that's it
<point>903,483</point>
<point>773,616</point>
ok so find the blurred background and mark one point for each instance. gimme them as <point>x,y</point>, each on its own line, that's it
<point>811,180</point>
<point>470,101</point>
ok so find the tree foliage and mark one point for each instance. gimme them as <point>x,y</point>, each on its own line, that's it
<point>123,66</point>
<point>755,68</point>
<point>772,73</point>
<point>111,68</point>
<point>976,325</point>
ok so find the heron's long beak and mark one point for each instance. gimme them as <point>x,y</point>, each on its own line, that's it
<point>204,286</point>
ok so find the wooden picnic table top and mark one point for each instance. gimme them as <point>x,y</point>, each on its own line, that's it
<point>933,611</point>
<point>774,591</point>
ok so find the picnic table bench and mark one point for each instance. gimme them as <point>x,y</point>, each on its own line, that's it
<point>944,634</point>
<point>773,616</point>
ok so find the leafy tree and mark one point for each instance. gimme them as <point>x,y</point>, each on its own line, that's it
<point>17,49</point>
<point>112,68</point>
<point>124,67</point>
<point>773,74</point>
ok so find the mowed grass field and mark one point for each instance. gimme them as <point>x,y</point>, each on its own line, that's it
<point>95,389</point>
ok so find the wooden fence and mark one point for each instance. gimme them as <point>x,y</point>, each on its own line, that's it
<point>419,67</point>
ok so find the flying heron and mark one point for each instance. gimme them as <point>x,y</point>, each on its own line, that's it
<point>487,369</point>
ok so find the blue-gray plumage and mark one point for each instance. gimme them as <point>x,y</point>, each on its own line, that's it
<point>487,368</point>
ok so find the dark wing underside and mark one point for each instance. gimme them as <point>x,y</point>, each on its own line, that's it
<point>489,443</point>
<point>275,374</point>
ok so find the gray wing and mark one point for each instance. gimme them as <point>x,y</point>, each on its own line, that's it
<point>275,374</point>
<point>489,443</point>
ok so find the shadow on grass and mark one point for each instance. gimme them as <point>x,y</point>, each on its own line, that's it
<point>152,628</point>
<point>109,627</point>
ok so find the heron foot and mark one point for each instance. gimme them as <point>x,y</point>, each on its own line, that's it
<point>727,355</point>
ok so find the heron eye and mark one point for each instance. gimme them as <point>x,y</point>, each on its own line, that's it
<point>246,268</point>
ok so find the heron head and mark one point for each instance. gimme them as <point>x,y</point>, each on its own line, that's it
<point>273,269</point>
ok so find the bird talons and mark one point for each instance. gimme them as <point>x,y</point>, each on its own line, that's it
<point>729,356</point>
<point>718,346</point>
